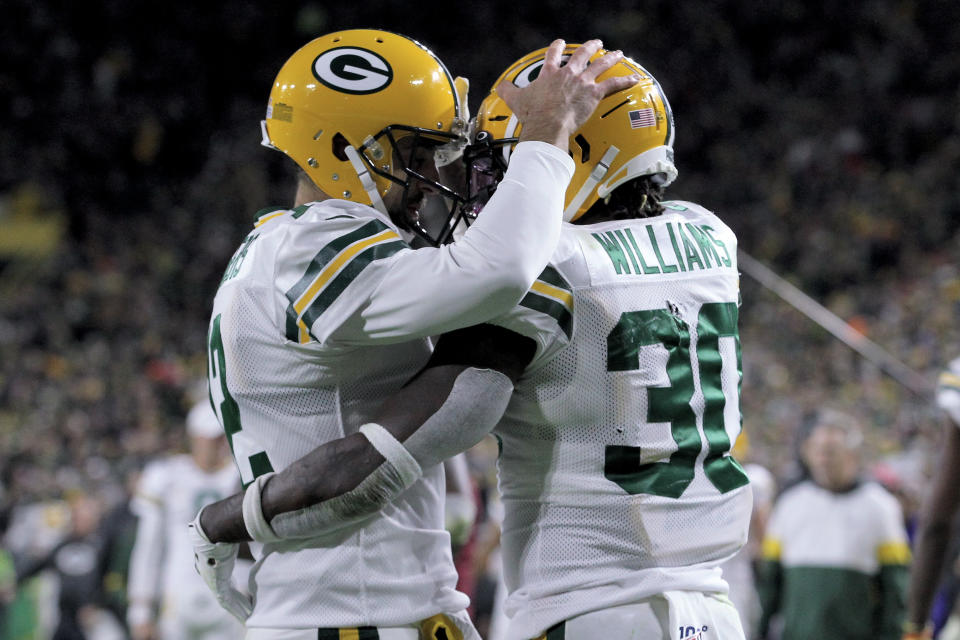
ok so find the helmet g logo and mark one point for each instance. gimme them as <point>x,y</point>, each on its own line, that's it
<point>530,73</point>
<point>352,70</point>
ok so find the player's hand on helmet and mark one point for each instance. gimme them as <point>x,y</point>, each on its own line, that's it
<point>214,562</point>
<point>562,98</point>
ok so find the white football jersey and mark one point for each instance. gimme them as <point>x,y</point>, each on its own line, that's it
<point>615,471</point>
<point>170,493</point>
<point>321,314</point>
<point>283,386</point>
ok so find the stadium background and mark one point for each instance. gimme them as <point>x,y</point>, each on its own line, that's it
<point>825,134</point>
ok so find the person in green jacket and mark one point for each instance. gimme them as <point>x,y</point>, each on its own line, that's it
<point>835,556</point>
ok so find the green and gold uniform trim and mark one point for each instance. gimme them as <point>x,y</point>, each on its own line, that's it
<point>348,633</point>
<point>771,549</point>
<point>268,214</point>
<point>438,627</point>
<point>895,552</point>
<point>552,295</point>
<point>556,632</point>
<point>330,272</point>
<point>949,380</point>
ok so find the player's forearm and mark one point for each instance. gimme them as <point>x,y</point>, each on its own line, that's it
<point>326,472</point>
<point>445,410</point>
<point>339,466</point>
<point>223,521</point>
<point>329,470</point>
<point>334,468</point>
<point>468,411</point>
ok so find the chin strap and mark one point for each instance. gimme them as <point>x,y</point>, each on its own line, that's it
<point>366,180</point>
<point>509,132</point>
<point>656,160</point>
<point>596,175</point>
<point>265,136</point>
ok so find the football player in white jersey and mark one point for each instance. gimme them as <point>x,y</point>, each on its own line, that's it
<point>168,600</point>
<point>936,527</point>
<point>620,496</point>
<point>325,310</point>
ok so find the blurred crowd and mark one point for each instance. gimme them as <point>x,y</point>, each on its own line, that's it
<point>826,134</point>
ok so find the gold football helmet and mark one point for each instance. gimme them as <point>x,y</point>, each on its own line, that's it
<point>340,104</point>
<point>629,135</point>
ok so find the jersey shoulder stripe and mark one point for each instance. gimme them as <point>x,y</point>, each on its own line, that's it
<point>949,381</point>
<point>552,294</point>
<point>266,215</point>
<point>334,267</point>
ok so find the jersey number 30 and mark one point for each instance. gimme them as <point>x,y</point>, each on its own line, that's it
<point>671,404</point>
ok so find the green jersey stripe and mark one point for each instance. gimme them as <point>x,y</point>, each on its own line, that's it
<point>340,282</point>
<point>329,252</point>
<point>267,211</point>
<point>260,465</point>
<point>324,257</point>
<point>550,307</point>
<point>553,277</point>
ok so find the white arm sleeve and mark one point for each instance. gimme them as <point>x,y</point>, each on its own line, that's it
<point>484,274</point>
<point>475,405</point>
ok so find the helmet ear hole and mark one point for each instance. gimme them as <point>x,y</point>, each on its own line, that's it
<point>340,144</point>
<point>584,148</point>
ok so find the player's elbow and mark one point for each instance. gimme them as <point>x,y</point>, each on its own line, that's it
<point>505,292</point>
<point>511,276</point>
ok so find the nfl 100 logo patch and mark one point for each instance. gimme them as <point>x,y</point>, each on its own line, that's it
<point>640,118</point>
<point>693,633</point>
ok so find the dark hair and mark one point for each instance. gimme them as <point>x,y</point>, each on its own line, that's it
<point>639,198</point>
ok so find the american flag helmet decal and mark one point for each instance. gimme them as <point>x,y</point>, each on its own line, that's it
<point>640,118</point>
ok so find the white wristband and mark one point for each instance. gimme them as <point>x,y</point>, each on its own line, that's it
<point>395,453</point>
<point>256,525</point>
